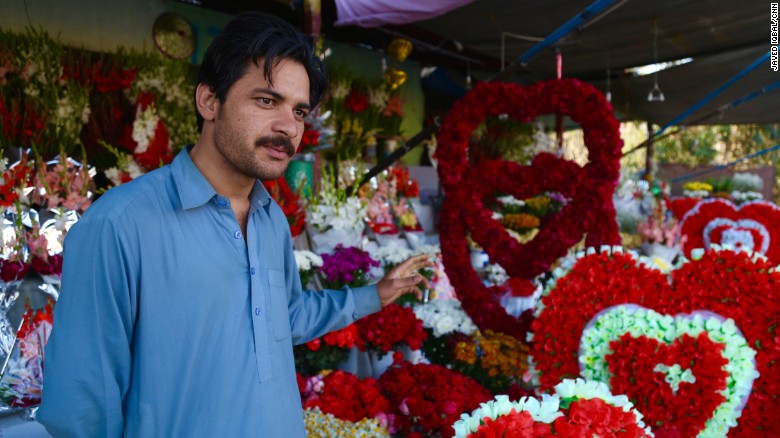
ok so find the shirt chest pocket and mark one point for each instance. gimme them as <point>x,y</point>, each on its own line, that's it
<point>280,315</point>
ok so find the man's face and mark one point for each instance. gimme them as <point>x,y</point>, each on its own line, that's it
<point>258,127</point>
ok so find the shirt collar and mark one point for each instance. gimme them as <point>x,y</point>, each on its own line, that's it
<point>195,190</point>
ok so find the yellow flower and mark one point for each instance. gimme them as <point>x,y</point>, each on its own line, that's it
<point>538,203</point>
<point>695,186</point>
<point>520,221</point>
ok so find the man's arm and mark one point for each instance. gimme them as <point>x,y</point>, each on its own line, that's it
<point>315,313</point>
<point>87,362</point>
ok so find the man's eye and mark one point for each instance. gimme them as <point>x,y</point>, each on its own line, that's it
<point>301,113</point>
<point>265,101</point>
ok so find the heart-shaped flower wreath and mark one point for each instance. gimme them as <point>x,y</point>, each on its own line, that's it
<point>589,189</point>
<point>612,316</point>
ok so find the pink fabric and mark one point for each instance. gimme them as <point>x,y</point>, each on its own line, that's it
<point>371,13</point>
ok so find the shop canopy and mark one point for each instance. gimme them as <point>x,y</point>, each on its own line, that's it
<point>716,43</point>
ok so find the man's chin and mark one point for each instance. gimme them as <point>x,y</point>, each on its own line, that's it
<point>271,173</point>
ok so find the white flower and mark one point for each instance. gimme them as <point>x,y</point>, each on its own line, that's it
<point>391,255</point>
<point>746,182</point>
<point>307,260</point>
<point>340,89</point>
<point>143,128</point>
<point>696,193</point>
<point>496,275</point>
<point>741,197</point>
<point>444,317</point>
<point>328,211</point>
<point>510,200</point>
<point>545,411</point>
<point>378,98</point>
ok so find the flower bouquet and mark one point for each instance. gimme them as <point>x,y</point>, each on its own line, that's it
<point>322,425</point>
<point>495,360</point>
<point>334,218</point>
<point>345,267</point>
<point>577,409</point>
<point>446,324</point>
<point>389,329</point>
<point>697,189</point>
<point>427,399</point>
<point>22,380</point>
<point>307,262</point>
<point>347,398</point>
<point>380,218</point>
<point>659,234</point>
<point>354,106</point>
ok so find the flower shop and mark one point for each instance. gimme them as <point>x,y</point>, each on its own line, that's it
<point>582,174</point>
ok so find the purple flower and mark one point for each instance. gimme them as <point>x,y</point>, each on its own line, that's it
<point>346,267</point>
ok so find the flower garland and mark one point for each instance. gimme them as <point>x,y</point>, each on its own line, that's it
<point>711,346</point>
<point>427,399</point>
<point>754,225</point>
<point>731,284</point>
<point>577,409</point>
<point>590,188</point>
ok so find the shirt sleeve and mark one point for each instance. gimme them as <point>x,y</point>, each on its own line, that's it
<point>315,313</point>
<point>88,353</point>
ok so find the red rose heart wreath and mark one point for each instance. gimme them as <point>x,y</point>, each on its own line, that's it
<point>589,189</point>
<point>685,352</point>
<point>754,225</point>
<point>681,205</point>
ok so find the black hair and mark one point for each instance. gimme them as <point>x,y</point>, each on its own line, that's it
<point>251,36</point>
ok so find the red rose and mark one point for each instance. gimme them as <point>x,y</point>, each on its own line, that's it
<point>356,101</point>
<point>12,270</point>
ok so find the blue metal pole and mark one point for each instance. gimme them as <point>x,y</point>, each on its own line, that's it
<point>591,11</point>
<point>712,95</point>
<point>723,166</point>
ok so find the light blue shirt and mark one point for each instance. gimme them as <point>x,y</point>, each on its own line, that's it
<point>169,324</point>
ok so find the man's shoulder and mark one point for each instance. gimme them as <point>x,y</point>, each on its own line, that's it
<point>132,198</point>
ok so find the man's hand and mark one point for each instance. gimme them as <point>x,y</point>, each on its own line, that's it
<point>403,279</point>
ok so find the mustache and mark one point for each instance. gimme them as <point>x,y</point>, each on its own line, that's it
<point>276,141</point>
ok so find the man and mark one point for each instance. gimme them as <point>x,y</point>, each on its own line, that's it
<point>180,298</point>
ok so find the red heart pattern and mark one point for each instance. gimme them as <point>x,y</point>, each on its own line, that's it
<point>753,225</point>
<point>589,189</point>
<point>686,408</point>
<point>699,365</point>
<point>731,284</point>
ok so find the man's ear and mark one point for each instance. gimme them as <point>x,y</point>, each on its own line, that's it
<point>206,101</point>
